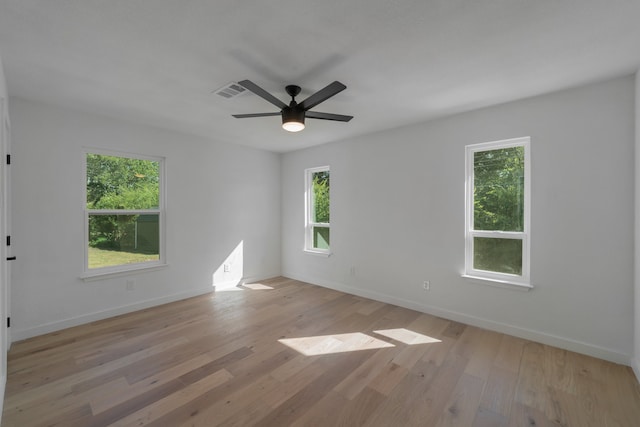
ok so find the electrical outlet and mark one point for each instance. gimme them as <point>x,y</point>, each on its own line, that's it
<point>131,284</point>
<point>426,285</point>
<point>227,268</point>
<point>352,271</point>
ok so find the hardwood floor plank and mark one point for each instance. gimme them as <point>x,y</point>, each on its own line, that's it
<point>357,411</point>
<point>325,412</point>
<point>51,390</point>
<point>499,390</point>
<point>463,405</point>
<point>286,389</point>
<point>336,367</point>
<point>510,353</point>
<point>389,376</point>
<point>114,393</point>
<point>406,397</point>
<point>531,390</point>
<point>231,408</point>
<point>432,401</point>
<point>487,418</point>
<point>526,416</point>
<point>283,352</point>
<point>165,405</point>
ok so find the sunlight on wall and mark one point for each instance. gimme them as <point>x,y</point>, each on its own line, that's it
<point>231,271</point>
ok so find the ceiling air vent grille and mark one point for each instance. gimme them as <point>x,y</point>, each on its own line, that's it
<point>230,90</point>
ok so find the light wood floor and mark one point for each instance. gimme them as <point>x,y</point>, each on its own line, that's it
<point>285,353</point>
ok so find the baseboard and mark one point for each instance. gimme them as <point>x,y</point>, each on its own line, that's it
<point>635,365</point>
<point>21,334</point>
<point>529,334</point>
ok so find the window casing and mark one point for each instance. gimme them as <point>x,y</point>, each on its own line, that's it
<point>317,210</point>
<point>123,212</point>
<point>497,219</point>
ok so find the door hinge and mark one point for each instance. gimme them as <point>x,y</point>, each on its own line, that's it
<point>8,240</point>
<point>8,322</point>
<point>8,159</point>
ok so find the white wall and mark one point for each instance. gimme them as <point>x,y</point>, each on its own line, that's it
<point>219,197</point>
<point>397,217</point>
<point>636,359</point>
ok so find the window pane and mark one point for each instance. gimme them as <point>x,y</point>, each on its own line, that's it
<point>123,239</point>
<point>498,199</point>
<point>320,212</point>
<point>499,255</point>
<point>320,237</point>
<point>122,183</point>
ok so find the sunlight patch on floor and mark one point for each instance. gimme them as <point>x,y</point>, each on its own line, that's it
<point>406,336</point>
<point>337,343</point>
<point>257,286</point>
<point>245,287</point>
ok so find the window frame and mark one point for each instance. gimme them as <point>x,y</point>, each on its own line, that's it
<point>308,207</point>
<point>522,280</point>
<point>89,273</point>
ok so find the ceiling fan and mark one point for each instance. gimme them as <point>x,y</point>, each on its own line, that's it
<point>293,115</point>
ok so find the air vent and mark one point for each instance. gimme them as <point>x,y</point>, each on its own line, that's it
<point>230,90</point>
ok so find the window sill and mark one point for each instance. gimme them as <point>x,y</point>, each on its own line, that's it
<point>505,284</point>
<point>317,253</point>
<point>102,275</point>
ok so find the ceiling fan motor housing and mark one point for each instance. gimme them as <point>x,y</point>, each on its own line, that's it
<point>292,114</point>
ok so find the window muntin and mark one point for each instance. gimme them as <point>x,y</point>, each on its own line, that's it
<point>318,226</point>
<point>497,211</point>
<point>123,212</point>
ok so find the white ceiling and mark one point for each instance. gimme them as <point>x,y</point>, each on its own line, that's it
<point>404,61</point>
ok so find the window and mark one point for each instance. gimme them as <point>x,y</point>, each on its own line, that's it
<point>317,235</point>
<point>123,212</point>
<point>497,211</point>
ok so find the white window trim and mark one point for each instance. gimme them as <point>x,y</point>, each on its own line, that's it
<point>520,281</point>
<point>308,205</point>
<point>117,270</point>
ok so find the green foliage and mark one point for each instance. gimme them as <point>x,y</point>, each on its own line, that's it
<point>321,196</point>
<point>499,205</point>
<point>499,189</point>
<point>501,255</point>
<point>121,183</point>
<point>118,183</point>
<point>321,237</point>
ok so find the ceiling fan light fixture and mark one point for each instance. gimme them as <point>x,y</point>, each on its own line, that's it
<point>292,119</point>
<point>293,126</point>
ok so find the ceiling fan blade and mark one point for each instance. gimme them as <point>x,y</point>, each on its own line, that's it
<point>245,116</point>
<point>262,93</point>
<point>321,95</point>
<point>327,116</point>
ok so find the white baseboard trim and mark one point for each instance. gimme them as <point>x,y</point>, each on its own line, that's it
<point>635,365</point>
<point>21,334</point>
<point>532,335</point>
